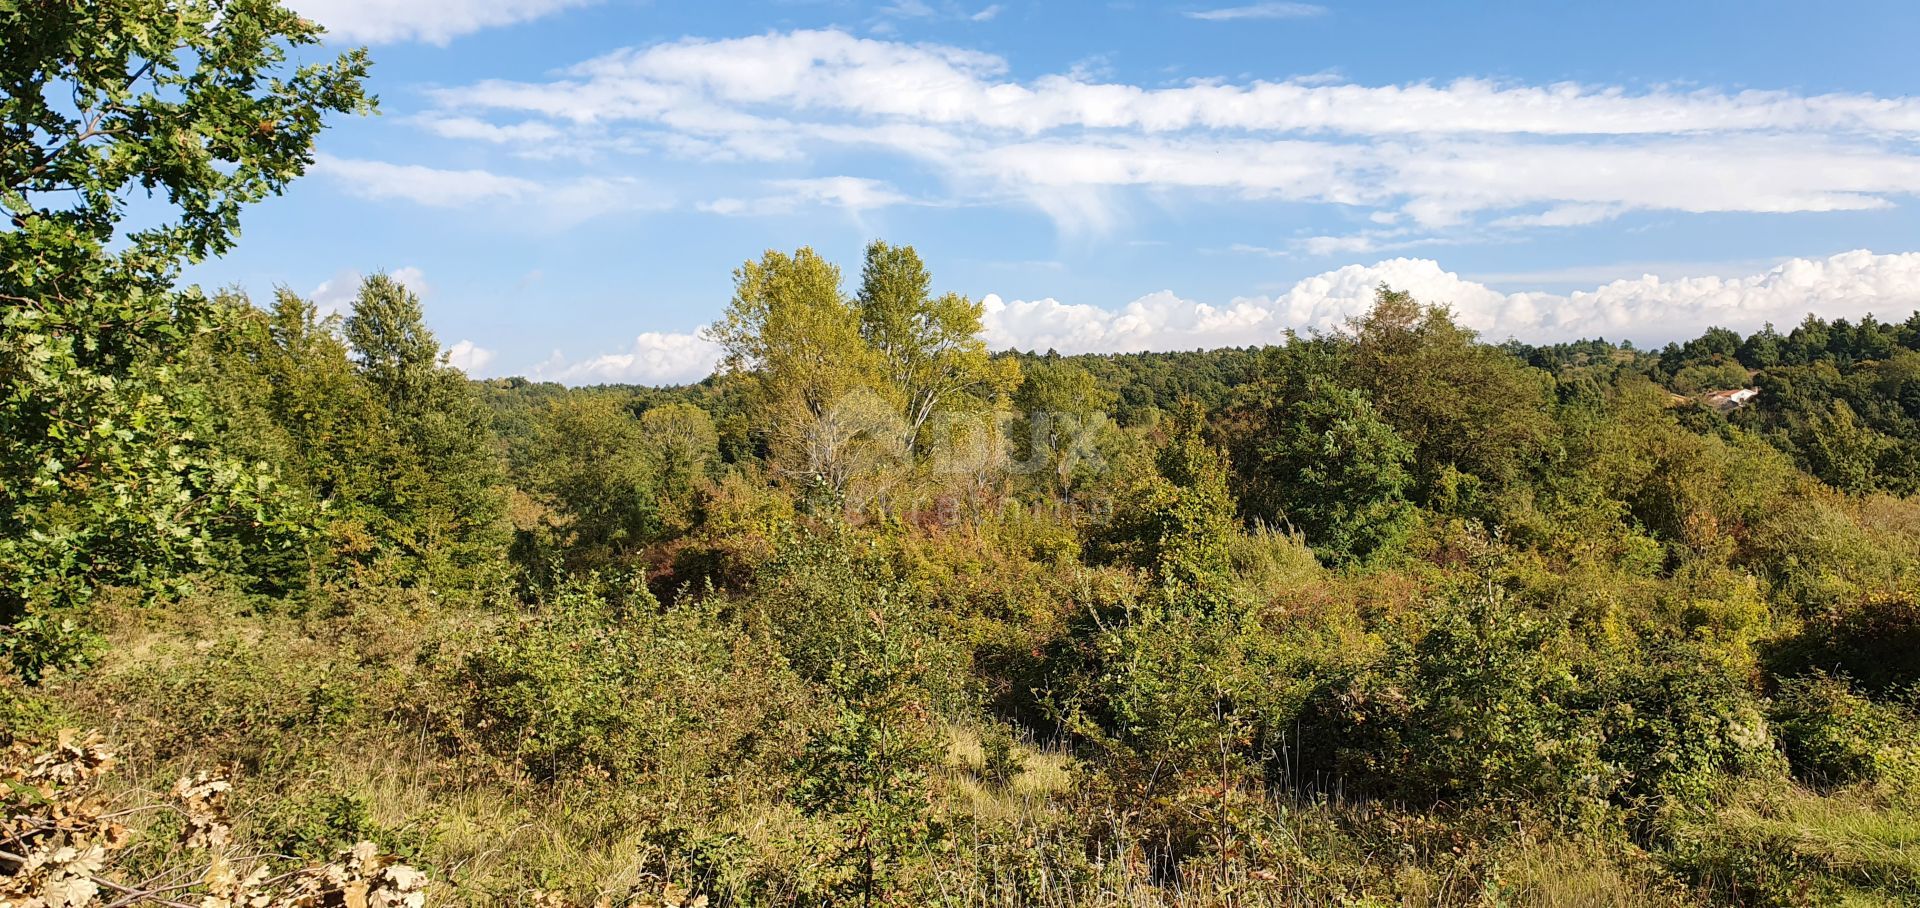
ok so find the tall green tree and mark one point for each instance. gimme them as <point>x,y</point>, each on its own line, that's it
<point>1065,410</point>
<point>819,389</point>
<point>930,347</point>
<point>449,503</point>
<point>1317,456</point>
<point>1467,408</point>
<point>596,468</point>
<point>106,471</point>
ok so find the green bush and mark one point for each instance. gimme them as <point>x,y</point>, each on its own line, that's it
<point>1875,643</point>
<point>611,683</point>
<point>1834,736</point>
<point>1680,718</point>
<point>1480,702</point>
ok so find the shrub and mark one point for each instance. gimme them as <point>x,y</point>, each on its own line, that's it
<point>1875,643</point>
<point>866,771</point>
<point>611,683</point>
<point>1479,704</point>
<point>1834,736</point>
<point>1679,719</point>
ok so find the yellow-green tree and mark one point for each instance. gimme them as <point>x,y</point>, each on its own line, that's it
<point>930,347</point>
<point>818,389</point>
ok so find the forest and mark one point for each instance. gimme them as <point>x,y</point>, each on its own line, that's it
<point>295,613</point>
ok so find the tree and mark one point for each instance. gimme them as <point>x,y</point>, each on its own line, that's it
<point>597,469</point>
<point>683,443</point>
<point>1838,449</point>
<point>449,499</point>
<point>1178,523</point>
<point>1464,406</point>
<point>818,387</point>
<point>106,473</point>
<point>869,770</point>
<point>388,333</point>
<point>288,395</point>
<point>1065,409</point>
<point>1318,457</point>
<point>929,347</point>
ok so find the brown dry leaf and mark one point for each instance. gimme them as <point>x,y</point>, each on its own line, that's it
<point>204,798</point>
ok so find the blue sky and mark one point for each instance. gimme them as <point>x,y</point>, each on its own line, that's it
<point>571,182</point>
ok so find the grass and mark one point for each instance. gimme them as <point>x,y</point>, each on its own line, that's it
<point>352,704</point>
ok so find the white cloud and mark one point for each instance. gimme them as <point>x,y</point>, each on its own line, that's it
<point>831,72</point>
<point>525,133</point>
<point>336,294</point>
<point>1260,11</point>
<point>469,358</point>
<point>1648,308</point>
<point>854,194</point>
<point>422,185</point>
<point>1078,147</point>
<point>988,14</point>
<point>553,205</point>
<point>433,21</point>
<point>656,358</point>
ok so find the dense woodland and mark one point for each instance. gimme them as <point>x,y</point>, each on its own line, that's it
<point>879,616</point>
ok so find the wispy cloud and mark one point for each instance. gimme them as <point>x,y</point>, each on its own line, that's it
<point>423,185</point>
<point>562,203</point>
<point>1459,156</point>
<point>1259,11</point>
<point>432,21</point>
<point>855,194</point>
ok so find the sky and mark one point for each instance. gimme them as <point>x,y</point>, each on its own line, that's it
<point>569,184</point>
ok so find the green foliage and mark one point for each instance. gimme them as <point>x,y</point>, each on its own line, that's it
<point>816,383</point>
<point>867,769</point>
<point>1177,523</point>
<point>1698,379</point>
<point>1389,615</point>
<point>1834,736</point>
<point>1680,721</point>
<point>106,470</point>
<point>1478,703</point>
<point>319,827</point>
<point>1463,406</point>
<point>1875,643</point>
<point>1838,449</point>
<point>450,494</point>
<point>929,347</point>
<point>1316,456</point>
<point>604,681</point>
<point>596,468</point>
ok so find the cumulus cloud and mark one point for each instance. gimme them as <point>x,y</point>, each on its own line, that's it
<point>433,21</point>
<point>468,357</point>
<point>655,358</point>
<point>1074,145</point>
<point>1259,11</point>
<point>1646,309</point>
